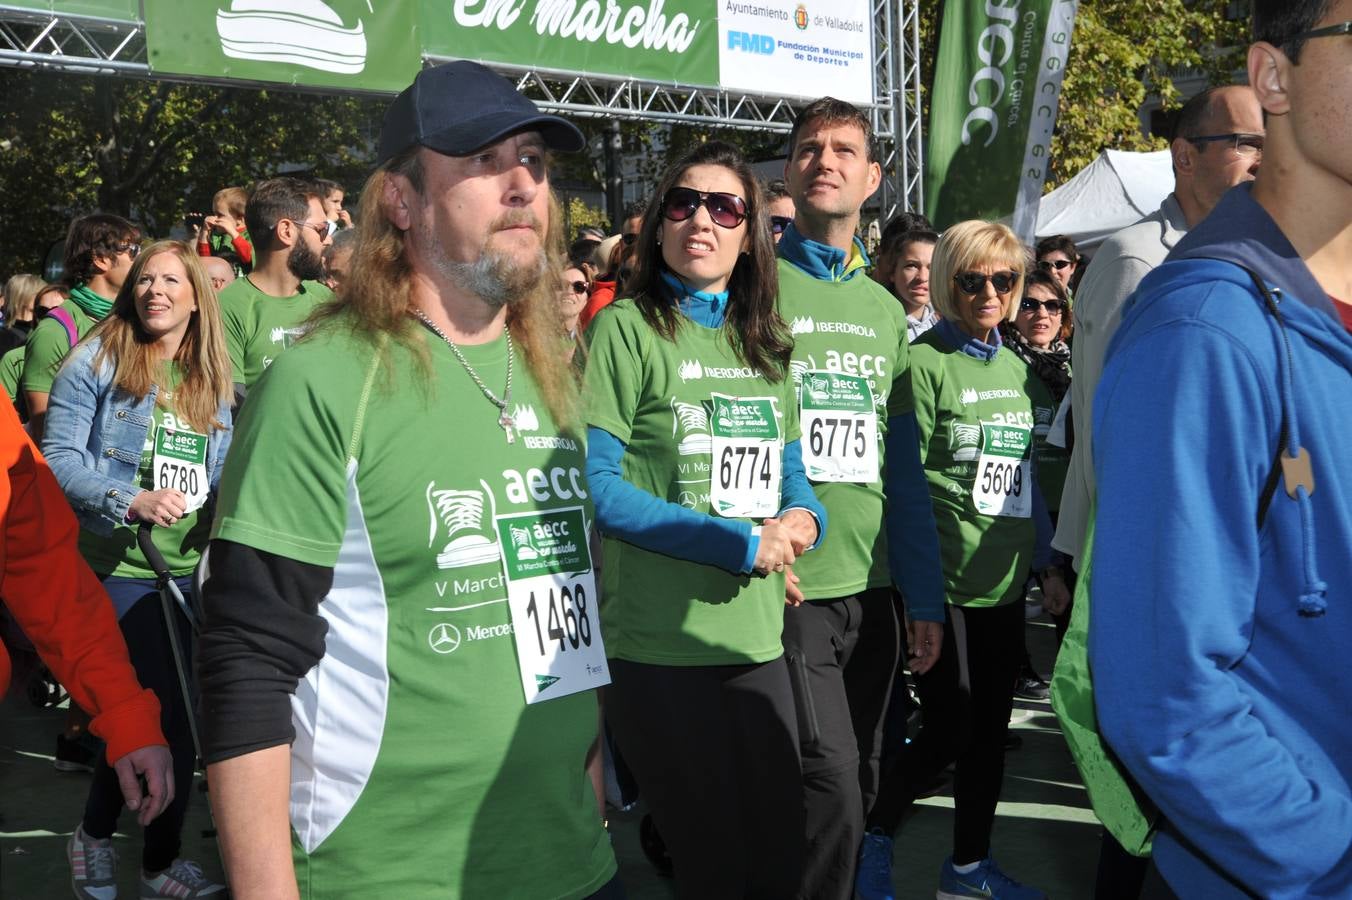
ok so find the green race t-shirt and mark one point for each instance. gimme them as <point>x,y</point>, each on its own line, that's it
<point>47,347</point>
<point>11,369</point>
<point>1053,462</point>
<point>976,420</point>
<point>180,544</point>
<point>418,770</point>
<point>656,396</point>
<point>854,328</point>
<point>258,326</point>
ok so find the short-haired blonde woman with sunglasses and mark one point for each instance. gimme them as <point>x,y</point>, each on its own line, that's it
<point>976,405</point>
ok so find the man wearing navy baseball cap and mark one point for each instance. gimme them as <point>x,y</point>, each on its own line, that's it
<point>366,637</point>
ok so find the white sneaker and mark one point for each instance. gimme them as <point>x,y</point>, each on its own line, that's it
<point>183,880</point>
<point>93,866</point>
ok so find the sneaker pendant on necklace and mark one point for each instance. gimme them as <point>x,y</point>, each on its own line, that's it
<point>505,419</point>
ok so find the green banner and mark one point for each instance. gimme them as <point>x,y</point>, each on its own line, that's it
<point>993,109</point>
<point>119,10</point>
<point>660,40</point>
<point>347,44</point>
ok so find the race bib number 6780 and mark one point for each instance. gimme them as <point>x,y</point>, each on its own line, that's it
<point>180,463</point>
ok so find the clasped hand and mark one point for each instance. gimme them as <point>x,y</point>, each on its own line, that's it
<point>782,541</point>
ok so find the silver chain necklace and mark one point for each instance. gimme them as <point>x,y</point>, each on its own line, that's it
<point>505,417</point>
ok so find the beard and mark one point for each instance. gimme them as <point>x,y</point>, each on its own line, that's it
<point>304,263</point>
<point>498,277</point>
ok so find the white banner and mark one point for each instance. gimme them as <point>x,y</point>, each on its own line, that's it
<point>797,49</point>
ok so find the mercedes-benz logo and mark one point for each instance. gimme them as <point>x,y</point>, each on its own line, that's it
<point>444,638</point>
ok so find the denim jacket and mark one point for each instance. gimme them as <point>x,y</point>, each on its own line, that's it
<point>95,435</point>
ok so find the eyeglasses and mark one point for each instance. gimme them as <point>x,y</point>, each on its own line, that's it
<point>628,239</point>
<point>975,282</point>
<point>128,247</point>
<point>779,223</point>
<point>1327,31</point>
<point>1053,307</point>
<point>727,210</point>
<point>324,229</point>
<point>1047,265</point>
<point>578,287</point>
<point>1245,145</point>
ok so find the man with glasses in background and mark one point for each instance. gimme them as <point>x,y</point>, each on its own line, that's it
<point>99,252</point>
<point>1221,574</point>
<point>779,203</point>
<point>263,311</point>
<point>1217,144</point>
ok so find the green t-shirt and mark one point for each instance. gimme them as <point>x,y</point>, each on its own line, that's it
<point>180,544</point>
<point>1053,462</point>
<point>655,395</point>
<point>11,369</point>
<point>858,328</point>
<point>258,326</point>
<point>418,770</point>
<point>47,347</point>
<point>969,412</point>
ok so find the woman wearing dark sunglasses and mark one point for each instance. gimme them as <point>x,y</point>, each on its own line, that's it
<point>696,473</point>
<point>977,405</point>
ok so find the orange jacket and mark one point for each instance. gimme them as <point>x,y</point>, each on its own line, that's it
<point>59,603</point>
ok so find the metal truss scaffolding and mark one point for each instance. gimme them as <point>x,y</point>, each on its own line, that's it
<point>34,39</point>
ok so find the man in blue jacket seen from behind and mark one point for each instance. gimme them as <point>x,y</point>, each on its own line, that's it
<point>1222,577</point>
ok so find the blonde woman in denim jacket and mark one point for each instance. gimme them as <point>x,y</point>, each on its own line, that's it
<point>138,425</point>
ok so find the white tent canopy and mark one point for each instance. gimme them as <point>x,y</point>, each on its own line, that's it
<point>1115,190</point>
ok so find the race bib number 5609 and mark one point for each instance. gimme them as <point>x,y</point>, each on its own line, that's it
<point>1004,485</point>
<point>551,591</point>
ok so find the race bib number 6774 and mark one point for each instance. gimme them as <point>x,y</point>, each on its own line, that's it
<point>748,457</point>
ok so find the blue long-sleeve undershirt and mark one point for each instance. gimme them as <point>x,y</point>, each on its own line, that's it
<point>912,537</point>
<point>632,514</point>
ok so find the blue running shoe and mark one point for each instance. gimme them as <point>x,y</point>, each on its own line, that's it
<point>986,880</point>
<point>874,878</point>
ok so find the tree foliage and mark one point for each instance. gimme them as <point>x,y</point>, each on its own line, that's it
<point>1123,51</point>
<point>152,151</point>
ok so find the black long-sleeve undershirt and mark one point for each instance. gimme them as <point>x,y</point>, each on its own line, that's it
<point>261,633</point>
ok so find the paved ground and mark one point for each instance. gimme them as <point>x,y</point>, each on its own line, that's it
<point>1044,832</point>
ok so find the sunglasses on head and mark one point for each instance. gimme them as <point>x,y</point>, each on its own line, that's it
<point>1047,265</point>
<point>779,223</point>
<point>1053,307</point>
<point>975,282</point>
<point>726,210</point>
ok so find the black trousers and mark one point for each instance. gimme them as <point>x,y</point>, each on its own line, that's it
<point>715,752</point>
<point>148,645</point>
<point>966,700</point>
<point>841,655</point>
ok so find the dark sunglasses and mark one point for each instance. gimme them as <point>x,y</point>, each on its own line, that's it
<point>779,223</point>
<point>1330,31</point>
<point>727,210</point>
<point>1047,265</point>
<point>628,239</point>
<point>579,287</point>
<point>1053,307</point>
<point>131,249</point>
<point>974,282</point>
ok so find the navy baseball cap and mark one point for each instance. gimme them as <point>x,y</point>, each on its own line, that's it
<point>459,107</point>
